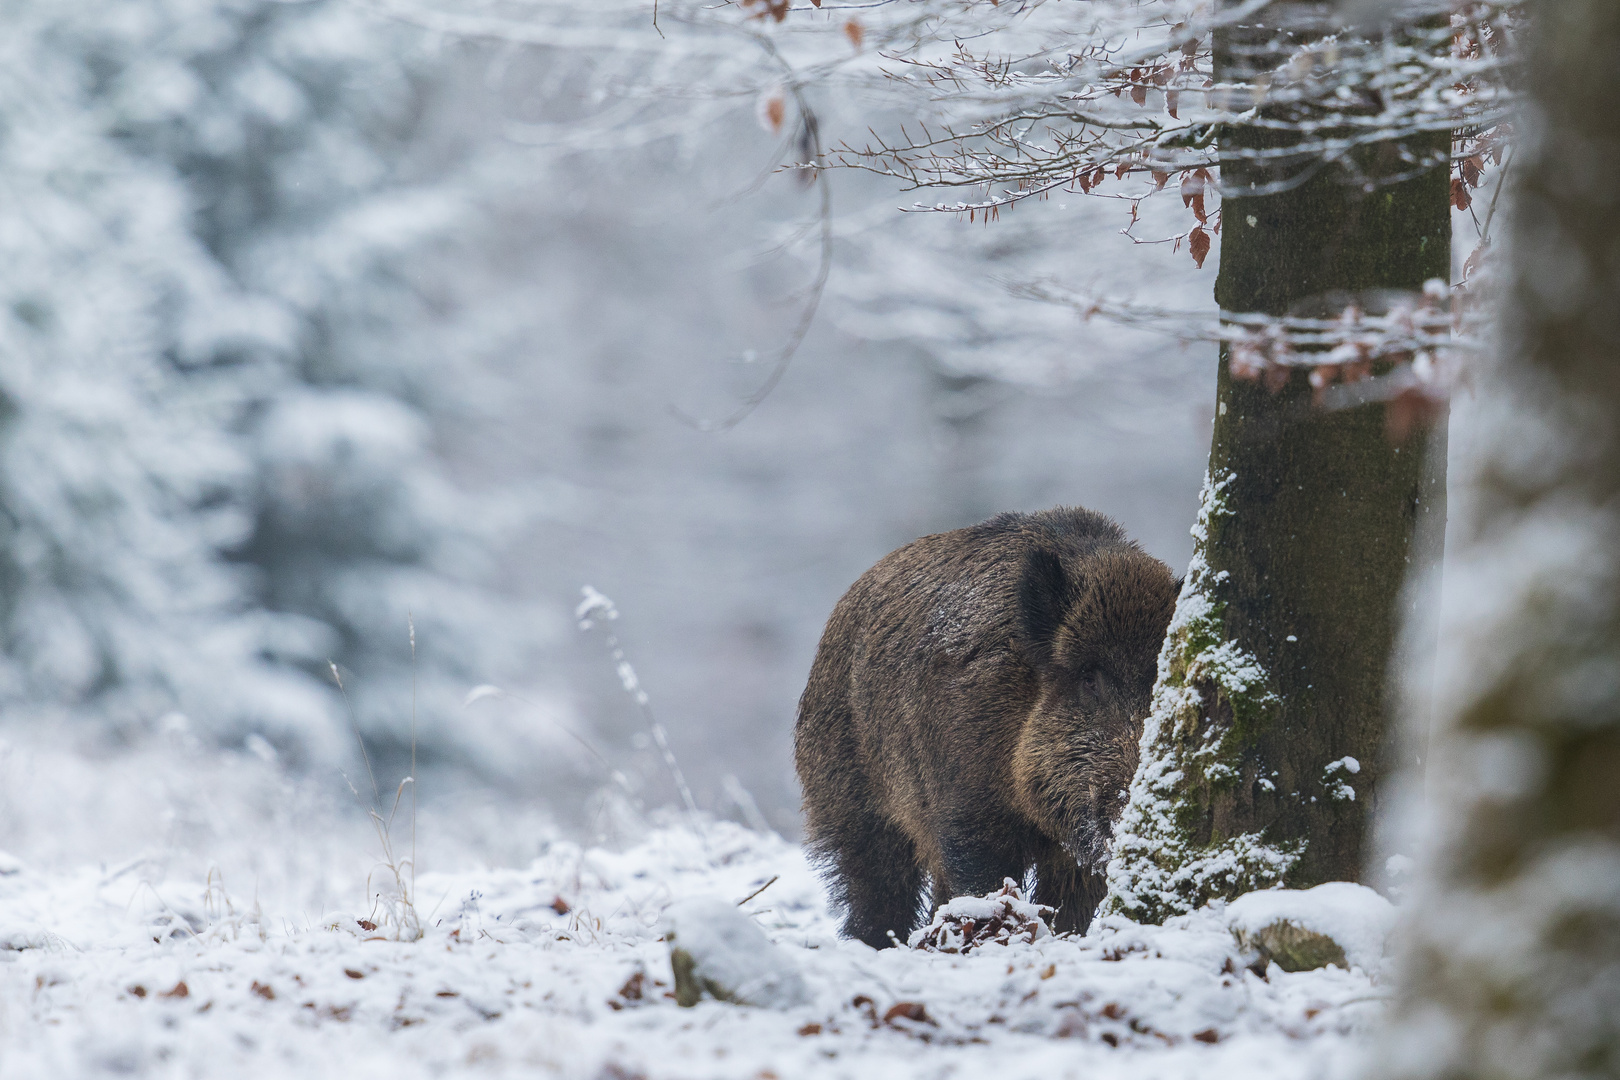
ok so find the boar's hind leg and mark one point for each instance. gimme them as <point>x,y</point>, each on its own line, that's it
<point>876,880</point>
<point>1075,893</point>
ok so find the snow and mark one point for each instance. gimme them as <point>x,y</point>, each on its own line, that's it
<point>1337,786</point>
<point>149,965</point>
<point>593,604</point>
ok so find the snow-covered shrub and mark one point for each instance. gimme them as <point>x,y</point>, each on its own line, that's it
<point>967,922</point>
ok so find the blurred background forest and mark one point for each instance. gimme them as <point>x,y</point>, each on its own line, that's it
<point>320,322</point>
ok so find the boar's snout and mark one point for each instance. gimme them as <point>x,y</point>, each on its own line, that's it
<point>1091,632</point>
<point>1105,733</point>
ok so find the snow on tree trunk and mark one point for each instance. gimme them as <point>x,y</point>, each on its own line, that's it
<point>1261,754</point>
<point>1512,965</point>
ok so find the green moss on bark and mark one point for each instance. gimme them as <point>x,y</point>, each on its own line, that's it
<point>1212,697</point>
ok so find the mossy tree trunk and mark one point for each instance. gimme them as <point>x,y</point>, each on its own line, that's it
<point>1262,754</point>
<point>1512,968</point>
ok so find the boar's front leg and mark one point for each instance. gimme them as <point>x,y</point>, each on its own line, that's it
<point>1060,883</point>
<point>978,858</point>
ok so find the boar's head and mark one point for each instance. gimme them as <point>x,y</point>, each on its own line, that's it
<point>1090,626</point>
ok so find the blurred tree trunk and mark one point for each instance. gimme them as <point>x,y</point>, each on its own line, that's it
<point>1512,966</point>
<point>1263,750</point>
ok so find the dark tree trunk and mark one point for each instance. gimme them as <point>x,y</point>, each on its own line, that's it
<point>1264,749</point>
<point>1512,968</point>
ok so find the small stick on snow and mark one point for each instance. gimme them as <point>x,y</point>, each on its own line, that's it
<point>762,888</point>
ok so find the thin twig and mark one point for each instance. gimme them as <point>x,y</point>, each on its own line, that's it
<point>762,888</point>
<point>817,166</point>
<point>481,692</point>
<point>354,723</point>
<point>594,602</point>
<point>411,622</point>
<point>1501,182</point>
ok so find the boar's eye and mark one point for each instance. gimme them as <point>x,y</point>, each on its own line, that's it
<point>1091,682</point>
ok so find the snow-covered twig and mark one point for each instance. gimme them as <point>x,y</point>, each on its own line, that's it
<point>594,607</point>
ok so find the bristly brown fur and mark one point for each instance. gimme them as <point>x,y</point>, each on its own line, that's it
<point>974,711</point>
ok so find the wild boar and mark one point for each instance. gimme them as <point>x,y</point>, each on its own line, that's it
<point>974,712</point>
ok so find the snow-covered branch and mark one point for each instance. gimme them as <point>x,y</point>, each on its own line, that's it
<point>1376,347</point>
<point>1132,109</point>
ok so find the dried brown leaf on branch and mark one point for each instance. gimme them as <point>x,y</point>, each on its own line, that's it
<point>1193,186</point>
<point>1246,360</point>
<point>771,111</point>
<point>776,9</point>
<point>1472,169</point>
<point>1459,194</point>
<point>1198,244</point>
<point>1410,410</point>
<point>1275,377</point>
<point>1323,376</point>
<point>854,31</point>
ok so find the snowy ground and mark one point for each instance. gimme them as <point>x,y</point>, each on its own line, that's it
<point>559,968</point>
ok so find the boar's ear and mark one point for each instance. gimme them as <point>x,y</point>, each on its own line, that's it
<point>1045,595</point>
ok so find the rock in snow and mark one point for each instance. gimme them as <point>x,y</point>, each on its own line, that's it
<point>1336,923</point>
<point>1291,947</point>
<point>717,950</point>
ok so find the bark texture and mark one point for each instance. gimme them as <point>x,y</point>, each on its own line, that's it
<point>1262,755</point>
<point>1512,967</point>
